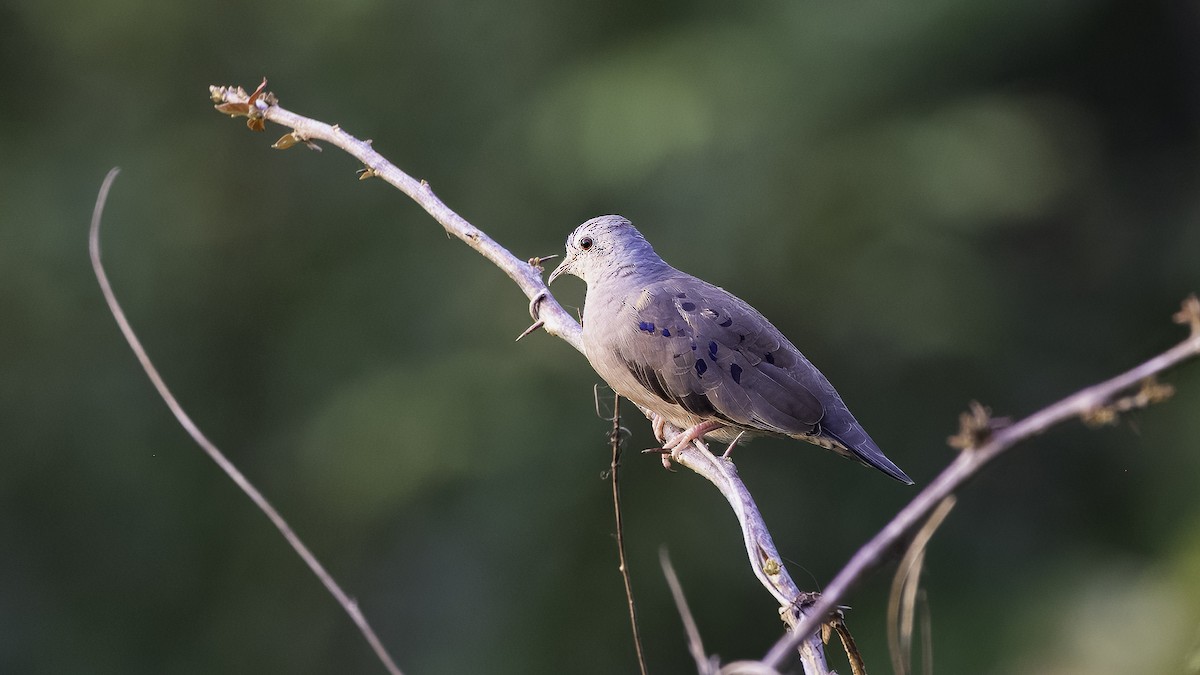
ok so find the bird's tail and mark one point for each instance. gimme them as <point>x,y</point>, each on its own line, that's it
<point>853,442</point>
<point>871,455</point>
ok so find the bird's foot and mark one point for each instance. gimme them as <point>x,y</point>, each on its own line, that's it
<point>693,435</point>
<point>665,454</point>
<point>659,425</point>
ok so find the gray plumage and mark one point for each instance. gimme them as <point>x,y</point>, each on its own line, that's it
<point>694,354</point>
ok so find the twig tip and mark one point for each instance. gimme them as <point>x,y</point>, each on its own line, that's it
<point>536,325</point>
<point>235,102</point>
<point>1189,314</point>
<point>536,261</point>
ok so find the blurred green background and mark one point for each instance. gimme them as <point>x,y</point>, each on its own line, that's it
<point>938,201</point>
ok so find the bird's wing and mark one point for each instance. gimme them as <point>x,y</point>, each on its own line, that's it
<point>695,345</point>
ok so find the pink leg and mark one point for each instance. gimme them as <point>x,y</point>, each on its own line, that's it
<point>696,433</point>
<point>688,436</point>
<point>658,424</point>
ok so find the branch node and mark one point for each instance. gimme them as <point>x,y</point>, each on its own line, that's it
<point>289,139</point>
<point>1189,314</point>
<point>975,427</point>
<point>536,261</point>
<point>807,599</point>
<point>1152,391</point>
<point>771,567</point>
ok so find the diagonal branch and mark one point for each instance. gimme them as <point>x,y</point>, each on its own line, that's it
<point>982,443</point>
<point>527,274</point>
<point>261,106</point>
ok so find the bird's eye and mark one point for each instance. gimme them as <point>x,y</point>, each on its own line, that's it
<point>585,243</point>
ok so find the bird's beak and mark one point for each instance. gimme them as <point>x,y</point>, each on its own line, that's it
<point>564,267</point>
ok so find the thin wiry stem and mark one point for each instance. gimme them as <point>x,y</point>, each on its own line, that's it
<point>926,633</point>
<point>211,450</point>
<point>614,473</point>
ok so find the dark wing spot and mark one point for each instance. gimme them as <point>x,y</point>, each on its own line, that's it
<point>736,371</point>
<point>769,358</point>
<point>712,349</point>
<point>666,333</point>
<point>726,323</point>
<point>688,306</point>
<point>696,404</point>
<point>701,367</point>
<point>646,326</point>
<point>681,295</point>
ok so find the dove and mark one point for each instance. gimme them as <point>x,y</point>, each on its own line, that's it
<point>698,357</point>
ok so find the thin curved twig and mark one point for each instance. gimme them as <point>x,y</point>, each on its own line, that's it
<point>983,443</point>
<point>907,581</point>
<point>695,644</point>
<point>261,106</point>
<point>347,603</point>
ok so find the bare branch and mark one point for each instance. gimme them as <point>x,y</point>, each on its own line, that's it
<point>549,314</point>
<point>211,450</point>
<point>974,457</point>
<point>527,274</point>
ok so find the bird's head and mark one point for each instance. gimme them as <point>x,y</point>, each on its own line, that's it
<point>605,246</point>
